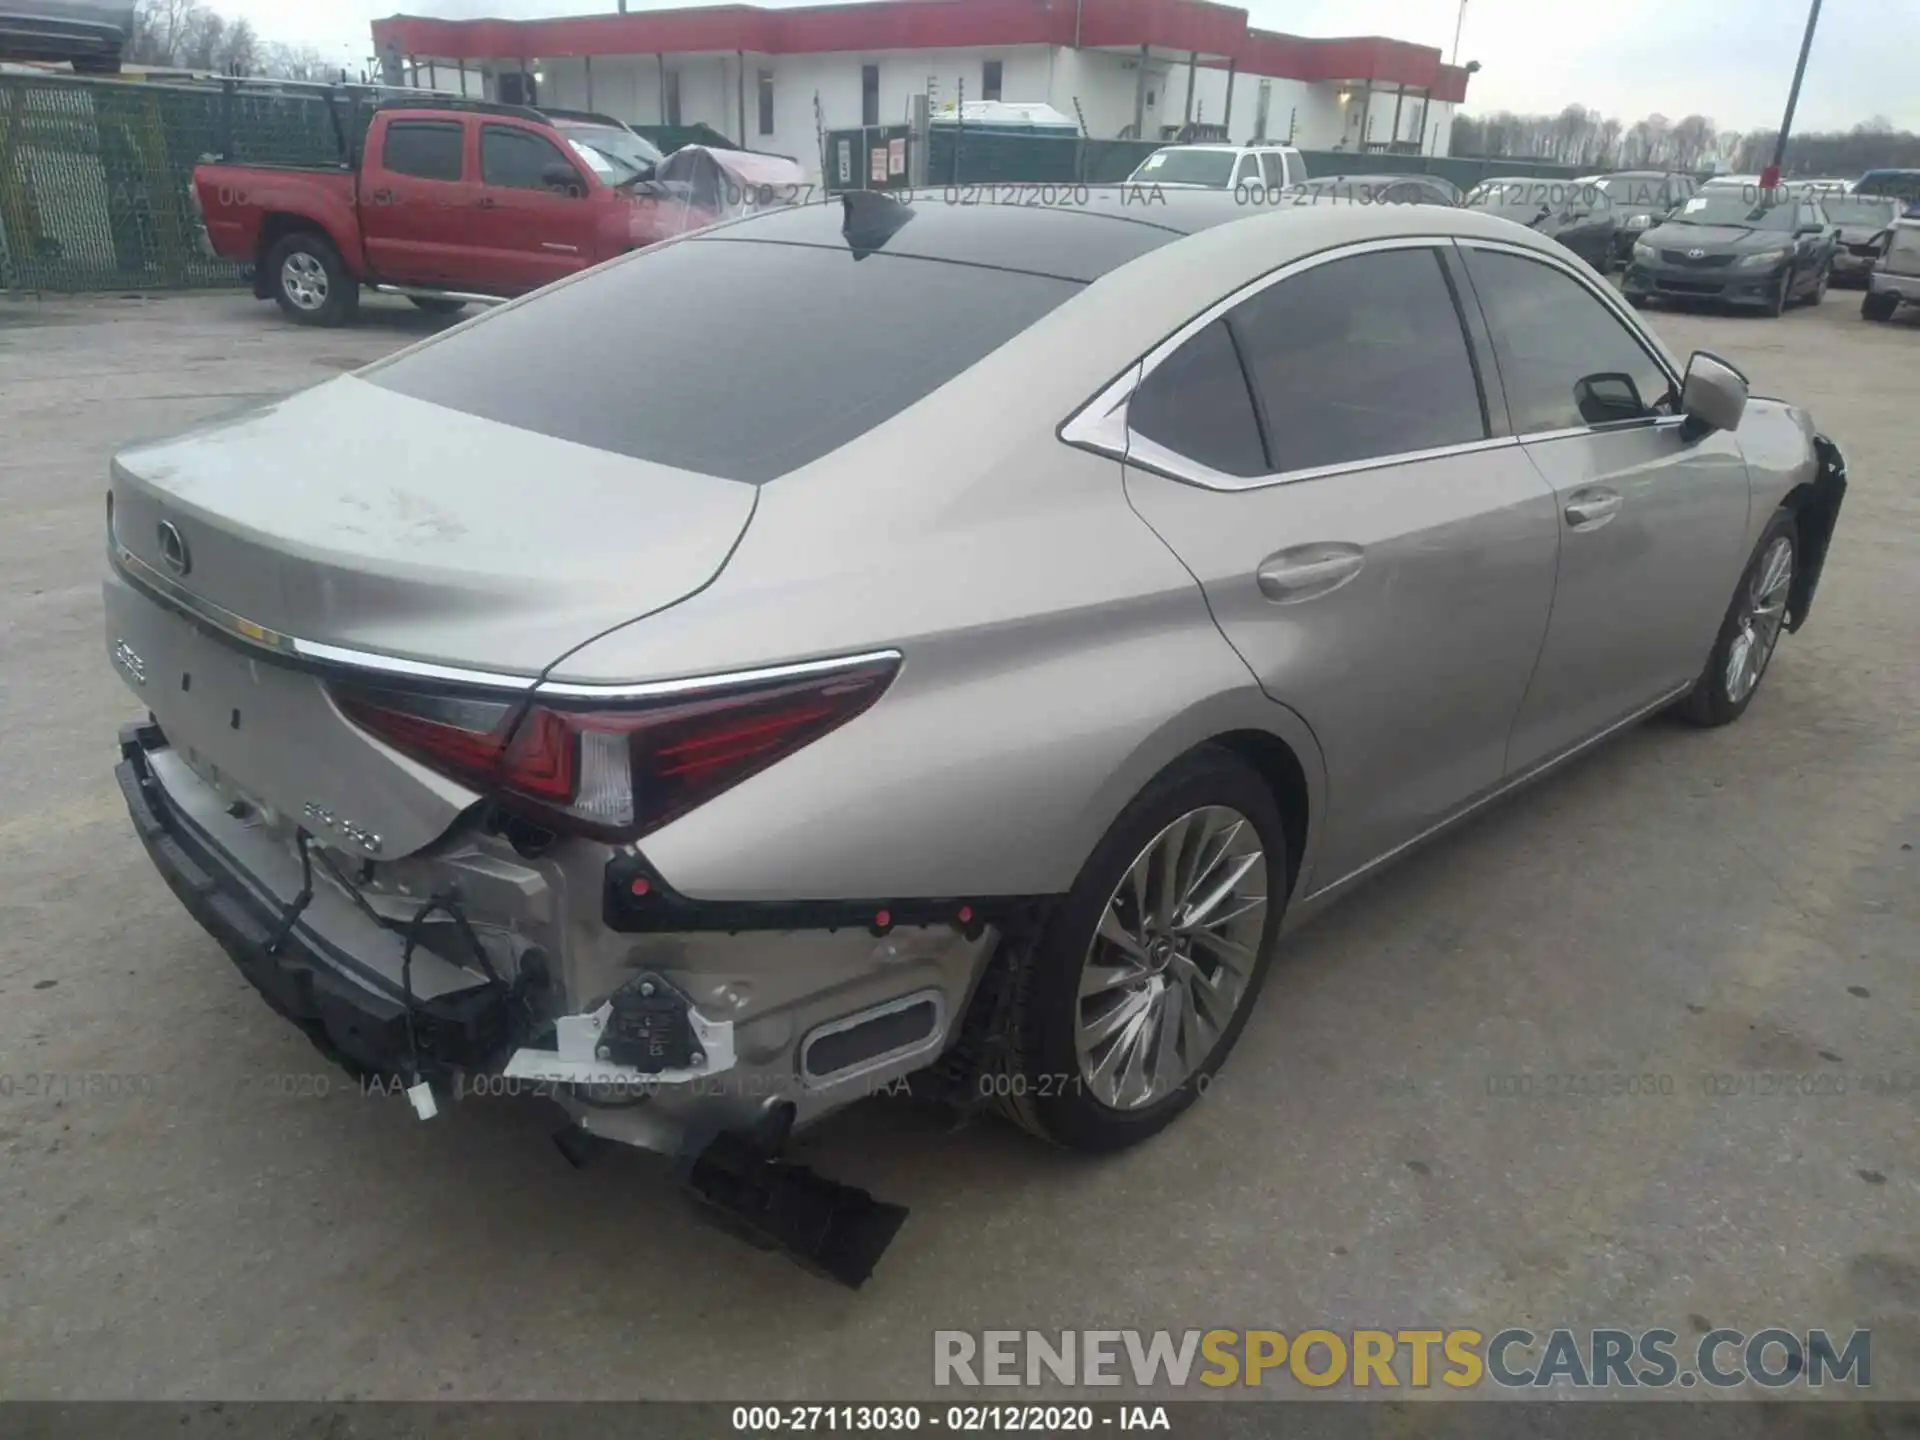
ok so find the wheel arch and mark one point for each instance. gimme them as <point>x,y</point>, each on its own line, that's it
<point>276,226</point>
<point>1270,737</point>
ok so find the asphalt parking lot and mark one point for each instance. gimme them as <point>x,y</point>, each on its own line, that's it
<point>1734,913</point>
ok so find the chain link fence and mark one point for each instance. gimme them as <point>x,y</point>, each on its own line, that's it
<point>94,174</point>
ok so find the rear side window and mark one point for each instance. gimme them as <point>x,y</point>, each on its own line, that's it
<point>733,358</point>
<point>1358,359</point>
<point>1549,334</point>
<point>426,149</point>
<point>1196,404</point>
<point>1273,170</point>
<point>519,159</point>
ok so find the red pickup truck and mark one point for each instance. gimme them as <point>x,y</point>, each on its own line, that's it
<point>451,202</point>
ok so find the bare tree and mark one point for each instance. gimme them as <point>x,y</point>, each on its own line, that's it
<point>296,62</point>
<point>1692,141</point>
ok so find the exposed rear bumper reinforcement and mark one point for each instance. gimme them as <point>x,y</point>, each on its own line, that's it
<point>361,1029</point>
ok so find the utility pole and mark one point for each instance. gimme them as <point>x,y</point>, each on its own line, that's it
<point>1772,176</point>
<point>1456,33</point>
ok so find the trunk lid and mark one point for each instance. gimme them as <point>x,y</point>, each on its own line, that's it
<point>356,518</point>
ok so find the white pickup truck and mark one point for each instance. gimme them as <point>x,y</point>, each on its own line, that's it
<point>1222,167</point>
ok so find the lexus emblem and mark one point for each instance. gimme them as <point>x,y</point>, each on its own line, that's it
<point>1696,254</point>
<point>173,548</point>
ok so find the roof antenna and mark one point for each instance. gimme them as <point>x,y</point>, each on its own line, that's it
<point>871,218</point>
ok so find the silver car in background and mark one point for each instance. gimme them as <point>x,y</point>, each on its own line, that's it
<point>873,640</point>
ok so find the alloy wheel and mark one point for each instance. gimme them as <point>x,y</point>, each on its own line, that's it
<point>1761,620</point>
<point>1171,961</point>
<point>304,279</point>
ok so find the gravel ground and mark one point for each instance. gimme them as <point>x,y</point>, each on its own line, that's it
<point>1741,903</point>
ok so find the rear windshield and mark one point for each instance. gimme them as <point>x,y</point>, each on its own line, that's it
<point>734,358</point>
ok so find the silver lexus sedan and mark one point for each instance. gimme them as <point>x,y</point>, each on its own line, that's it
<point>888,639</point>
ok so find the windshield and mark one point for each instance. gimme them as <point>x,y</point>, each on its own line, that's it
<point>1859,210</point>
<point>1738,207</point>
<point>615,154</point>
<point>1523,199</point>
<point>1187,167</point>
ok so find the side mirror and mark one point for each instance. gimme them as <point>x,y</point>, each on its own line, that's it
<point>1713,396</point>
<point>1608,397</point>
<point>562,177</point>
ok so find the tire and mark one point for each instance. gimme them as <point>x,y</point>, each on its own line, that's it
<point>1777,305</point>
<point>1819,292</point>
<point>1060,1096</point>
<point>435,305</point>
<point>309,281</point>
<point>1879,306</point>
<point>1756,616</point>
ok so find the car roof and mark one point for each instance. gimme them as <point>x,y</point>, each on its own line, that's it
<point>1102,228</point>
<point>1116,225</point>
<point>1208,145</point>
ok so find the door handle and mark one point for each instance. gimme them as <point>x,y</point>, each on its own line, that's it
<point>1306,572</point>
<point>1590,509</point>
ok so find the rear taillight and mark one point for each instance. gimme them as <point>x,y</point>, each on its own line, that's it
<point>615,770</point>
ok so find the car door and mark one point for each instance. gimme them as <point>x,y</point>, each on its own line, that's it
<point>417,196</point>
<point>1651,518</point>
<point>537,229</point>
<point>1319,454</point>
<point>1813,243</point>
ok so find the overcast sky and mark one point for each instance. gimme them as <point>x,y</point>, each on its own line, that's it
<point>1731,62</point>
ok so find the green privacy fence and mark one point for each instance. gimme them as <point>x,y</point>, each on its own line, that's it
<point>957,156</point>
<point>94,174</point>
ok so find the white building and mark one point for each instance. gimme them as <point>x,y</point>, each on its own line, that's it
<point>776,79</point>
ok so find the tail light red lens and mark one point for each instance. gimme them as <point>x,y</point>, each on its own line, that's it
<point>615,771</point>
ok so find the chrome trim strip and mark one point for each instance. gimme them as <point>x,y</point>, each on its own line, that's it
<point>652,689</point>
<point>1162,461</point>
<point>1658,422</point>
<point>427,292</point>
<point>1505,787</point>
<point>288,647</point>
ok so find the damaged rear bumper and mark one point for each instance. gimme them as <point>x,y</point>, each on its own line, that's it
<point>779,1010</point>
<point>350,1011</point>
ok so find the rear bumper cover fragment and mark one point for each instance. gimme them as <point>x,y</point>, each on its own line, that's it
<point>358,1028</point>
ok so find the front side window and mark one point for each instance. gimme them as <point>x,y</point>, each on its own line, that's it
<point>1196,404</point>
<point>1358,359</point>
<point>521,160</point>
<point>1553,340</point>
<point>425,149</point>
<point>1273,172</point>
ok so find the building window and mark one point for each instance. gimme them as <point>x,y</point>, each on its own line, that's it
<point>766,102</point>
<point>1261,107</point>
<point>869,94</point>
<point>670,98</point>
<point>990,80</point>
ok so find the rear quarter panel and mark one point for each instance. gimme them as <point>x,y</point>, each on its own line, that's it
<point>239,200</point>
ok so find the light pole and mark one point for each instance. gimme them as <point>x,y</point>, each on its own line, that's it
<point>1772,176</point>
<point>1455,59</point>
